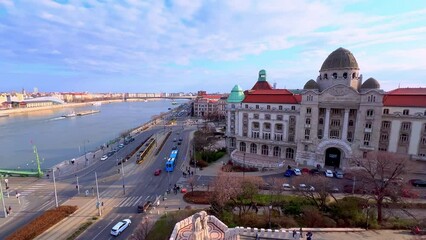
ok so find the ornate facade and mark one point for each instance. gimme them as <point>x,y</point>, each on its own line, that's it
<point>334,119</point>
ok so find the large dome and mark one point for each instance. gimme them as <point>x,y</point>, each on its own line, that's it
<point>340,59</point>
<point>370,83</point>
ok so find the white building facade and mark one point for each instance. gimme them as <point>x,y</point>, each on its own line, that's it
<point>334,119</point>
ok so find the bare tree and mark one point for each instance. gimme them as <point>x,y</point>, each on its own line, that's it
<point>232,191</point>
<point>142,230</point>
<point>317,190</point>
<point>192,181</point>
<point>381,172</point>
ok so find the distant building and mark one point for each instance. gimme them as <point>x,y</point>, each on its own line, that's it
<point>333,119</point>
<point>209,105</point>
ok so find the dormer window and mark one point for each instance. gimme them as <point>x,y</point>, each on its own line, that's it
<point>334,75</point>
<point>345,75</point>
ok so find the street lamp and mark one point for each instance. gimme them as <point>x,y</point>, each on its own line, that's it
<point>244,166</point>
<point>270,209</point>
<point>368,210</point>
<point>85,153</point>
<point>122,174</point>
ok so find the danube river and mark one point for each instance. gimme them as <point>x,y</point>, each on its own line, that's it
<point>58,138</point>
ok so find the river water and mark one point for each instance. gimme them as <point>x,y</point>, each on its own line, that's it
<point>58,138</point>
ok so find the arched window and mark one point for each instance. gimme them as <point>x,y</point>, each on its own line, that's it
<point>308,121</point>
<point>345,75</point>
<point>242,146</point>
<point>325,76</point>
<point>351,123</point>
<point>353,75</point>
<point>321,121</point>
<point>253,148</point>
<point>265,150</point>
<point>289,153</point>
<point>277,151</point>
<point>334,75</point>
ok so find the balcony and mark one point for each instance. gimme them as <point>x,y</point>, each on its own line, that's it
<point>368,130</point>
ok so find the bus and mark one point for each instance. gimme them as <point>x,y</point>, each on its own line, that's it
<point>171,161</point>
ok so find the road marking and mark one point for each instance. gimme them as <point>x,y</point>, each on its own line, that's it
<point>130,203</point>
<point>123,203</point>
<point>137,201</point>
<point>105,228</point>
<point>146,198</point>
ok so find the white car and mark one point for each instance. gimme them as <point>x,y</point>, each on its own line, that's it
<point>104,157</point>
<point>304,187</point>
<point>288,187</point>
<point>297,172</point>
<point>120,226</point>
<point>328,173</point>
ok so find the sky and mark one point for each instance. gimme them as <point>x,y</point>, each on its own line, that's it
<point>211,45</point>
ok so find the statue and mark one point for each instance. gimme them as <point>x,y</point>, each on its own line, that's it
<point>200,229</point>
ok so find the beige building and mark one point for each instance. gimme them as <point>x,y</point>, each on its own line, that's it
<point>335,118</point>
<point>209,105</point>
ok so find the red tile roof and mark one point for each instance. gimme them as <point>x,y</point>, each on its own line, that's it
<point>262,85</point>
<point>271,96</point>
<point>405,97</point>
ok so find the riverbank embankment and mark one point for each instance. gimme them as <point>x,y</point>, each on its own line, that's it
<point>17,111</point>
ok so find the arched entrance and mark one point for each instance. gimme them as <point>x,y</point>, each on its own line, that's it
<point>332,157</point>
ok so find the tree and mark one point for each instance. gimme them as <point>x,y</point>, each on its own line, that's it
<point>381,173</point>
<point>142,230</point>
<point>317,191</point>
<point>192,181</point>
<point>230,191</point>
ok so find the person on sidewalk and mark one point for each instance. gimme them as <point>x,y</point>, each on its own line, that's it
<point>309,235</point>
<point>301,232</point>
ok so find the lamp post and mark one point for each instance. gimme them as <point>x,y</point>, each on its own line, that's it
<point>54,185</point>
<point>97,197</point>
<point>368,211</point>
<point>244,167</point>
<point>2,200</point>
<point>270,209</point>
<point>122,175</point>
<point>78,186</point>
<point>85,153</point>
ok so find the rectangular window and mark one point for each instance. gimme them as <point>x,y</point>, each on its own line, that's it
<point>370,112</point>
<point>293,108</point>
<point>403,138</point>
<point>335,122</point>
<point>385,125</point>
<point>367,139</point>
<point>257,106</point>
<point>319,133</point>
<point>246,106</point>
<point>368,125</point>
<point>279,117</point>
<point>280,107</point>
<point>405,126</point>
<point>308,110</point>
<point>266,136</point>
<point>307,133</point>
<point>349,138</point>
<point>255,134</point>
<point>334,134</point>
<point>384,137</point>
<point>256,116</point>
<point>268,107</point>
<point>267,117</point>
<point>385,111</point>
<point>405,112</point>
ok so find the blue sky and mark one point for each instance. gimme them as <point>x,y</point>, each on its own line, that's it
<point>190,45</point>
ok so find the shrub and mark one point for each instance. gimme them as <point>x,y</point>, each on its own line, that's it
<point>396,223</point>
<point>312,217</point>
<point>197,197</point>
<point>347,212</point>
<point>285,222</point>
<point>42,223</point>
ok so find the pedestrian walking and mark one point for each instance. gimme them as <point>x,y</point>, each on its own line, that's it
<point>192,173</point>
<point>309,235</point>
<point>294,233</point>
<point>10,209</point>
<point>301,232</point>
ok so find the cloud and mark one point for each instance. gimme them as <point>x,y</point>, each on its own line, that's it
<point>140,38</point>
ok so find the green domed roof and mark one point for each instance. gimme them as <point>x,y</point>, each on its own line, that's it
<point>340,59</point>
<point>236,96</point>
<point>262,75</point>
<point>370,83</point>
<point>311,84</point>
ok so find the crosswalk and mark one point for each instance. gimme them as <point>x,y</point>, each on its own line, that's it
<point>131,201</point>
<point>38,188</point>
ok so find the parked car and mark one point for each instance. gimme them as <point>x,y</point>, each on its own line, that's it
<point>419,183</point>
<point>289,173</point>
<point>334,189</point>
<point>104,157</point>
<point>411,181</point>
<point>288,187</point>
<point>122,161</point>
<point>328,173</point>
<point>120,227</point>
<point>157,172</point>
<point>314,171</point>
<point>305,170</point>
<point>297,172</point>
<point>304,187</point>
<point>338,174</point>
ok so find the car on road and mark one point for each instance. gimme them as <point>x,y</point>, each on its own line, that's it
<point>304,187</point>
<point>288,187</point>
<point>104,157</point>
<point>419,183</point>
<point>289,173</point>
<point>338,174</point>
<point>297,172</point>
<point>157,172</point>
<point>328,173</point>
<point>121,145</point>
<point>120,227</point>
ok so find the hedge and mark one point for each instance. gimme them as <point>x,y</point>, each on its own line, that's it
<point>42,223</point>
